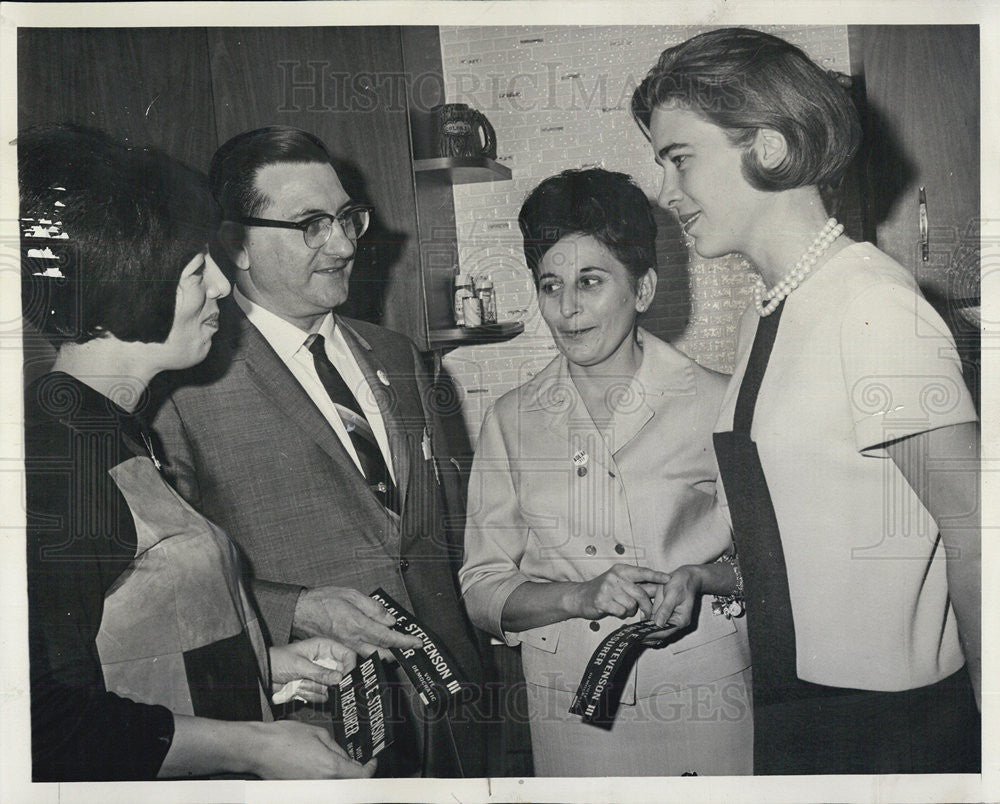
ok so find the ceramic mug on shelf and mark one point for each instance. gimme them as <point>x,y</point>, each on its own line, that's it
<point>460,130</point>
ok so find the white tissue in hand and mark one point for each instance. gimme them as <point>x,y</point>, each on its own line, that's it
<point>290,690</point>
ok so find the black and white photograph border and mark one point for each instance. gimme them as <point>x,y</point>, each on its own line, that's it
<point>543,103</point>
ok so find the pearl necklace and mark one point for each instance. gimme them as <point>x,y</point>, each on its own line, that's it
<point>776,295</point>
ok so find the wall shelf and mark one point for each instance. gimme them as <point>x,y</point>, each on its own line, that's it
<point>462,169</point>
<point>451,337</point>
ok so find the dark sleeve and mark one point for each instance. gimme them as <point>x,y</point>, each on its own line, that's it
<point>80,537</point>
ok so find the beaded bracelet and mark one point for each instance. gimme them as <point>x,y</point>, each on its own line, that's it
<point>730,605</point>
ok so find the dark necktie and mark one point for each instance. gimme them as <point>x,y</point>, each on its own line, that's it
<point>362,437</point>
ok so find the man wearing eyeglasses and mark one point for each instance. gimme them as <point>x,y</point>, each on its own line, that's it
<point>306,436</point>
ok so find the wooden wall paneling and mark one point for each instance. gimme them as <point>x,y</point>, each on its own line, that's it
<point>345,85</point>
<point>923,130</point>
<point>145,86</point>
<point>435,198</point>
<point>922,87</point>
<point>150,86</point>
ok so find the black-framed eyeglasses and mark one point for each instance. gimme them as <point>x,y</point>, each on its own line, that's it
<point>316,230</point>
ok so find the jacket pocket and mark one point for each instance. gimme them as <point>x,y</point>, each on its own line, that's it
<point>545,637</point>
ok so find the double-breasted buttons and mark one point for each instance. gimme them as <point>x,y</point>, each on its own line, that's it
<point>594,626</point>
<point>590,550</point>
<point>581,471</point>
<point>620,549</point>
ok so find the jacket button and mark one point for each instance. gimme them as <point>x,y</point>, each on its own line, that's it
<point>581,470</point>
<point>590,550</point>
<point>610,473</point>
<point>404,565</point>
<point>619,548</point>
<point>595,626</point>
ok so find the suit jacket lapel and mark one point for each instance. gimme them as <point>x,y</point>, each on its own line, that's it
<point>268,373</point>
<point>387,399</point>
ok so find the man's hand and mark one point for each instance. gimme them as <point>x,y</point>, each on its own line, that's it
<point>307,668</point>
<point>360,623</point>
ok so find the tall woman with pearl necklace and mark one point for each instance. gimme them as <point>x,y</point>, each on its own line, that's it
<point>848,444</point>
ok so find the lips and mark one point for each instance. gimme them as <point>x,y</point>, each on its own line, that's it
<point>687,221</point>
<point>212,321</point>
<point>335,267</point>
<point>575,333</point>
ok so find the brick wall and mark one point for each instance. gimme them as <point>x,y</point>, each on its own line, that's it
<point>558,97</point>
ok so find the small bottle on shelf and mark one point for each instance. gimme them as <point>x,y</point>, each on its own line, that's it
<point>472,309</point>
<point>484,290</point>
<point>463,291</point>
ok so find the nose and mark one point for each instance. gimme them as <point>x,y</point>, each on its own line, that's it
<point>569,303</point>
<point>339,245</point>
<point>670,192</point>
<point>218,285</point>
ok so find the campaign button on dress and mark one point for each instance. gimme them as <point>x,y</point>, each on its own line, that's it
<point>590,550</point>
<point>595,626</point>
<point>619,548</point>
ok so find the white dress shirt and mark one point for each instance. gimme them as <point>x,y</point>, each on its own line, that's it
<point>289,342</point>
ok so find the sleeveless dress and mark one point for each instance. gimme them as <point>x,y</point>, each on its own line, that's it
<point>136,605</point>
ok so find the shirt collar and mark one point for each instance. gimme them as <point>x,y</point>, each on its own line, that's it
<point>664,370</point>
<point>286,339</point>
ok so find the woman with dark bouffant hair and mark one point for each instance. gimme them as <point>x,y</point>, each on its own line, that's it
<point>590,482</point>
<point>146,656</point>
<point>848,444</point>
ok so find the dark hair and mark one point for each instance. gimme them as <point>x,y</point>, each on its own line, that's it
<point>744,80</point>
<point>233,173</point>
<point>105,232</point>
<point>605,205</point>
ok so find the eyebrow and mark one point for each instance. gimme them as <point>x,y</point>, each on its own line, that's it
<point>310,211</point>
<point>664,152</point>
<point>549,274</point>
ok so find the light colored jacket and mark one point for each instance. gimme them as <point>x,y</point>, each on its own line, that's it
<point>552,499</point>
